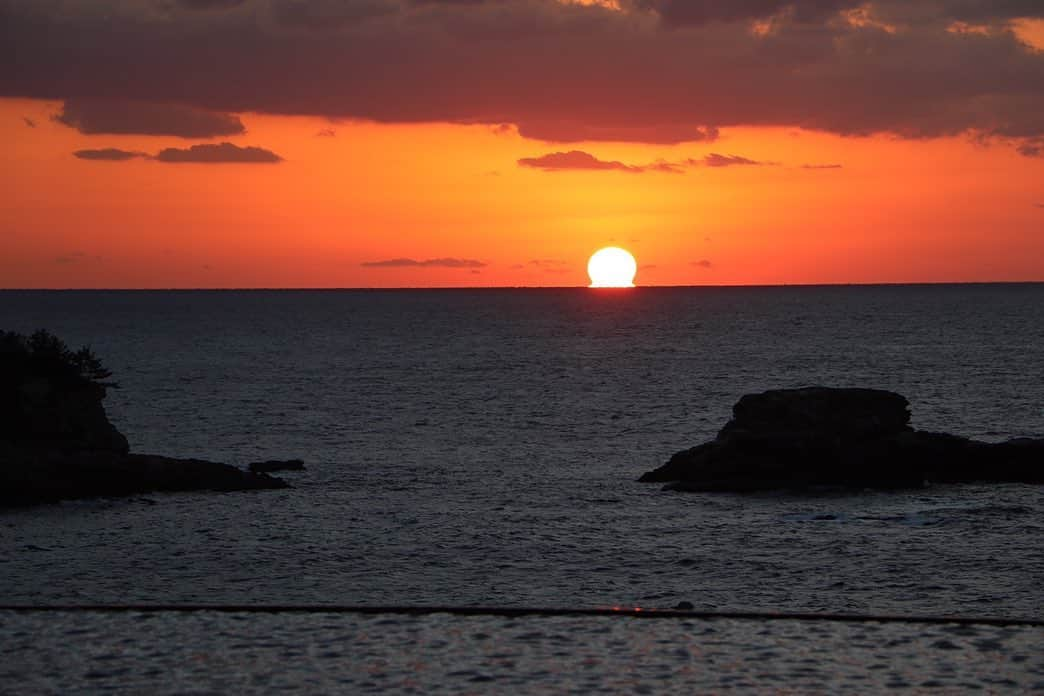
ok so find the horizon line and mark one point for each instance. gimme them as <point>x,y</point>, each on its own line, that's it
<point>371,288</point>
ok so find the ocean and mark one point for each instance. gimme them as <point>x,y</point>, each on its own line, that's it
<point>481,448</point>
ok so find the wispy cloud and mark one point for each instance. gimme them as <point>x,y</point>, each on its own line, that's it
<point>580,160</point>
<point>29,122</point>
<point>200,154</point>
<point>576,159</point>
<point>715,159</point>
<point>703,263</point>
<point>74,257</point>
<point>70,258</point>
<point>550,265</point>
<point>109,154</point>
<point>821,166</point>
<point>664,167</point>
<point>1031,148</point>
<point>445,262</point>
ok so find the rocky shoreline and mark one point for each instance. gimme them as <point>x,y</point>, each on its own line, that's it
<point>849,438</point>
<point>57,443</point>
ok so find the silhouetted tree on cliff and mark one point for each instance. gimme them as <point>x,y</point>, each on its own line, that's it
<point>45,355</point>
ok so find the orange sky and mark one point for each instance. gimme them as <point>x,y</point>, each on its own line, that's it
<point>896,211</point>
<point>455,203</point>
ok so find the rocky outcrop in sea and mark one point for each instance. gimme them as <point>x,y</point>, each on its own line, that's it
<point>828,437</point>
<point>57,443</point>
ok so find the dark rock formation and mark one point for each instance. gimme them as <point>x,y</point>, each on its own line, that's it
<point>277,465</point>
<point>56,442</point>
<point>818,436</point>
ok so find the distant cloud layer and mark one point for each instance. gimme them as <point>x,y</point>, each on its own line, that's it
<point>655,71</point>
<point>201,154</point>
<point>99,116</point>
<point>716,160</point>
<point>575,159</point>
<point>821,166</point>
<point>446,262</point>
<point>1032,148</point>
<point>217,154</point>
<point>109,154</point>
<point>580,160</point>
<point>72,257</point>
<point>555,266</point>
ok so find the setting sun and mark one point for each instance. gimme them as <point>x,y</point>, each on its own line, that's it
<point>612,267</point>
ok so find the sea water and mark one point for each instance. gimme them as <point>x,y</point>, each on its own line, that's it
<point>480,447</point>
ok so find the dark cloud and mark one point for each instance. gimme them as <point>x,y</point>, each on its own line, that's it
<point>29,122</point>
<point>427,263</point>
<point>327,133</point>
<point>578,159</point>
<point>204,154</point>
<point>218,154</point>
<point>703,263</point>
<point>680,12</point>
<point>122,117</point>
<point>821,166</point>
<point>575,159</point>
<point>1040,205</point>
<point>717,160</point>
<point>991,10</point>
<point>327,15</point>
<point>447,2</point>
<point>699,12</point>
<point>109,154</point>
<point>209,4</point>
<point>575,131</point>
<point>558,71</point>
<point>1032,148</point>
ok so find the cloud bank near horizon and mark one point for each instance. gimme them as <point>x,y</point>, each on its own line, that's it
<point>580,160</point>
<point>444,262</point>
<point>220,153</point>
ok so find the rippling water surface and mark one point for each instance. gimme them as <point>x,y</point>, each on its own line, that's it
<point>213,653</point>
<point>481,447</point>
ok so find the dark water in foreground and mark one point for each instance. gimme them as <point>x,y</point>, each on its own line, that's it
<point>325,653</point>
<point>480,447</point>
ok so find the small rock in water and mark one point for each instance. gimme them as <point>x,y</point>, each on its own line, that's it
<point>684,606</point>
